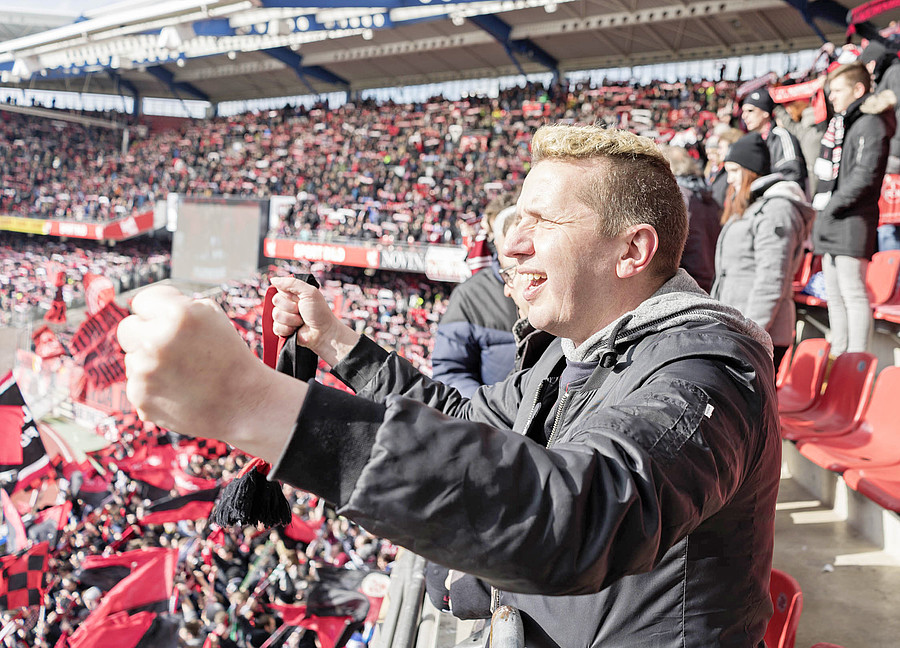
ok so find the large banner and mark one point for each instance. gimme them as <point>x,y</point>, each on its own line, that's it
<point>117,230</point>
<point>438,262</point>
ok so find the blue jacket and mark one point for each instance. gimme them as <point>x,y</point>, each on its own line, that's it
<point>475,345</point>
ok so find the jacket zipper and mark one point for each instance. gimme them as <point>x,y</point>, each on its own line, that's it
<point>558,417</point>
<point>495,593</point>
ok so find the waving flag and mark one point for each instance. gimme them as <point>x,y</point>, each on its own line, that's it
<point>20,577</point>
<point>193,506</point>
<point>106,572</point>
<point>23,457</point>
<point>131,613</point>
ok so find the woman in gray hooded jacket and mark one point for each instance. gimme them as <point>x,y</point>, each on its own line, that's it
<point>766,222</point>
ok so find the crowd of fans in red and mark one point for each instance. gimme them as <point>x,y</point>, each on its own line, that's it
<point>381,172</point>
<point>409,173</point>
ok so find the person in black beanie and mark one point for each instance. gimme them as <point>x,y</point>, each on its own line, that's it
<point>784,149</point>
<point>760,247</point>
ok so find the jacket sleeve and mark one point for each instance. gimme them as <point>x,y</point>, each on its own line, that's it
<point>456,359</point>
<point>891,81</point>
<point>774,239</point>
<point>608,500</point>
<point>866,173</point>
<point>787,158</point>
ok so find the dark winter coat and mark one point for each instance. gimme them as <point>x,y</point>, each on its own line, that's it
<point>847,224</point>
<point>704,214</point>
<point>637,510</point>
<point>474,345</point>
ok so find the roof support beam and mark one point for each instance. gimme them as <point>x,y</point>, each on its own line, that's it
<point>502,33</point>
<point>128,86</point>
<point>295,62</point>
<point>168,78</point>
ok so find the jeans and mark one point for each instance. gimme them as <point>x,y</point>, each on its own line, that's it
<point>888,237</point>
<point>849,312</point>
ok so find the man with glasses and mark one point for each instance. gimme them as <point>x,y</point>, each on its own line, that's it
<point>620,492</point>
<point>474,345</point>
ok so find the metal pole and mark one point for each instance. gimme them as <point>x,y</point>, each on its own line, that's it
<point>408,623</point>
<point>506,628</point>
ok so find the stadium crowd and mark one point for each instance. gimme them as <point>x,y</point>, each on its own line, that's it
<point>413,173</point>
<point>29,269</point>
<point>376,171</point>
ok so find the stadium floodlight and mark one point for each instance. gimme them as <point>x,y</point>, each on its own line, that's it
<point>25,66</point>
<point>174,36</point>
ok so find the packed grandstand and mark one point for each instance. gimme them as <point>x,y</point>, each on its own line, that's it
<point>121,506</point>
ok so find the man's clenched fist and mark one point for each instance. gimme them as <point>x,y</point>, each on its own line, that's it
<point>189,371</point>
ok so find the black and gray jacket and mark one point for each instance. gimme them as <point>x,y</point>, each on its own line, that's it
<point>786,155</point>
<point>636,509</point>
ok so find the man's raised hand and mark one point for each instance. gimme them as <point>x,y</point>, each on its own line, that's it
<point>302,310</point>
<point>189,370</point>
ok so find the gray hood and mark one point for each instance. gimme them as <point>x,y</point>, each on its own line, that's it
<point>678,301</point>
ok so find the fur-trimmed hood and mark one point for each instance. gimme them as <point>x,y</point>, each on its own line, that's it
<point>875,104</point>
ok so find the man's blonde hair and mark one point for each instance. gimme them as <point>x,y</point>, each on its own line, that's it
<point>632,185</point>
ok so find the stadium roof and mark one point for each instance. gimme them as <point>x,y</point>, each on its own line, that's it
<point>222,50</point>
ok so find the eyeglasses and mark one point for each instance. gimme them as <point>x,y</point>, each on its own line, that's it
<point>508,274</point>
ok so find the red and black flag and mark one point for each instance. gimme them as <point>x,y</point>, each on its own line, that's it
<point>193,506</point>
<point>330,630</point>
<point>207,448</point>
<point>301,530</point>
<point>357,593</point>
<point>20,577</point>
<point>106,572</point>
<point>123,630</point>
<point>57,312</point>
<point>23,457</point>
<point>95,346</point>
<point>131,614</point>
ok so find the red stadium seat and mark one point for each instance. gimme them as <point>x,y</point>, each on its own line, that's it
<point>841,406</point>
<point>881,485</point>
<point>826,645</point>
<point>803,382</point>
<point>875,442</point>
<point>784,367</point>
<point>787,599</point>
<point>804,272</point>
<point>881,276</point>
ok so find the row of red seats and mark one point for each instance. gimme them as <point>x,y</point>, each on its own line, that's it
<point>881,280</point>
<point>850,426</point>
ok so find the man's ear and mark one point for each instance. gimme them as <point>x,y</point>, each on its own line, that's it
<point>641,242</point>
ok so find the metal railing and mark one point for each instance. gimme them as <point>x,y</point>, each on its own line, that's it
<point>412,622</point>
